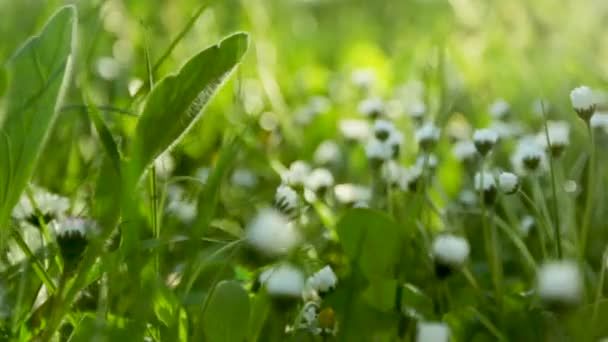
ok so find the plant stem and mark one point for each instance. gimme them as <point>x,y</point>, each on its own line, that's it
<point>589,200</point>
<point>600,288</point>
<point>556,225</point>
<point>543,230</point>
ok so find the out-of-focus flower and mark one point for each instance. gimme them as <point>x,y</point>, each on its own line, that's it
<point>432,332</point>
<point>382,129</point>
<point>328,152</point>
<point>244,178</point>
<point>371,108</point>
<point>583,102</point>
<point>283,280</point>
<point>499,109</point>
<point>297,174</point>
<point>485,183</point>
<point>508,182</point>
<point>427,136</point>
<point>355,130</point>
<point>352,193</point>
<point>559,137</point>
<point>529,157</point>
<point>450,252</point>
<point>484,140</point>
<point>319,180</point>
<point>286,200</point>
<point>271,233</point>
<point>47,205</point>
<point>377,152</point>
<point>560,283</point>
<point>464,151</point>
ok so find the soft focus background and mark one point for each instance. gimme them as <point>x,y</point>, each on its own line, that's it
<point>309,65</point>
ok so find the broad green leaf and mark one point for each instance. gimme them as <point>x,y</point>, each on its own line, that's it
<point>588,322</point>
<point>39,73</point>
<point>380,294</point>
<point>371,239</point>
<point>177,101</point>
<point>260,307</point>
<point>227,315</point>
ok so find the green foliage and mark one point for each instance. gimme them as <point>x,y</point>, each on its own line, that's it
<point>177,101</point>
<point>371,240</point>
<point>226,316</point>
<point>39,72</point>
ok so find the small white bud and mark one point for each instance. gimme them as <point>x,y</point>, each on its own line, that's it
<point>560,282</point>
<point>271,233</point>
<point>484,140</point>
<point>283,281</point>
<point>432,332</point>
<point>583,102</point>
<point>508,182</point>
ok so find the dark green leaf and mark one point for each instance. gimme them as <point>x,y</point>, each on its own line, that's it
<point>372,239</point>
<point>227,315</point>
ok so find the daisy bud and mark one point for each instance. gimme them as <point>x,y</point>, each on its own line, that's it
<point>297,174</point>
<point>324,280</point>
<point>583,102</point>
<point>354,130</point>
<point>377,152</point>
<point>485,183</point>
<point>319,180</point>
<point>427,136</point>
<point>465,151</point>
<point>529,157</point>
<point>432,332</point>
<point>559,284</point>
<point>417,111</point>
<point>286,200</point>
<point>271,233</point>
<point>499,109</point>
<point>372,108</point>
<point>450,253</point>
<point>559,138</point>
<point>328,152</point>
<point>72,236</point>
<point>382,129</point>
<point>508,182</point>
<point>352,193</point>
<point>484,140</point>
<point>328,322</point>
<point>283,281</point>
<point>394,142</point>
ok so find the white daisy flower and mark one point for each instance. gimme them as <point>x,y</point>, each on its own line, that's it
<point>355,130</point>
<point>486,183</point>
<point>364,78</point>
<point>377,152</point>
<point>417,110</point>
<point>383,129</point>
<point>372,107</point>
<point>560,282</point>
<point>529,157</point>
<point>508,182</point>
<point>286,200</point>
<point>184,210</point>
<point>296,174</point>
<point>427,136</point>
<point>324,280</point>
<point>499,109</point>
<point>319,180</point>
<point>432,332</point>
<point>484,140</point>
<point>583,102</point>
<point>352,193</point>
<point>283,280</point>
<point>450,250</point>
<point>395,142</point>
<point>244,178</point>
<point>164,165</point>
<point>271,233</point>
<point>50,206</point>
<point>559,137</point>
<point>599,120</point>
<point>464,151</point>
<point>328,152</point>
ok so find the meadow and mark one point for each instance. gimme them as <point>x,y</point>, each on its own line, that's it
<point>303,170</point>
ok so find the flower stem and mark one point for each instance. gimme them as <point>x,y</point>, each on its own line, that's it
<point>589,200</point>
